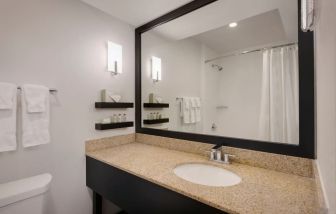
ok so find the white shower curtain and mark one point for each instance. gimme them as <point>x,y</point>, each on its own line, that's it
<point>279,111</point>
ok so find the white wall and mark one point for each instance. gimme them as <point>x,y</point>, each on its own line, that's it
<point>210,90</point>
<point>326,98</point>
<point>239,88</point>
<point>181,76</point>
<point>62,44</point>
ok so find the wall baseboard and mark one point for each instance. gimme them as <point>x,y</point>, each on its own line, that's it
<point>323,197</point>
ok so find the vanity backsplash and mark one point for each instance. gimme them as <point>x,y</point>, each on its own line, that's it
<point>281,163</point>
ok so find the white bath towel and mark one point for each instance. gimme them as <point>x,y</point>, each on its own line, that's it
<point>8,106</point>
<point>198,109</point>
<point>35,115</point>
<point>186,109</point>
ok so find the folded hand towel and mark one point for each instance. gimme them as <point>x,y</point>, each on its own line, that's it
<point>198,102</point>
<point>7,92</point>
<point>8,100</point>
<point>35,120</point>
<point>193,102</point>
<point>35,97</point>
<point>198,109</point>
<point>186,109</point>
<point>192,110</point>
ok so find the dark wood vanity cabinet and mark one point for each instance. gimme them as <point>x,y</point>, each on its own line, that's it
<point>136,195</point>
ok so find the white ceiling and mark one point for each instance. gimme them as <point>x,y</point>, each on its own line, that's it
<point>260,30</point>
<point>223,12</point>
<point>260,22</point>
<point>136,12</point>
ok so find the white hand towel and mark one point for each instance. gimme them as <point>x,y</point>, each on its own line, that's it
<point>35,98</point>
<point>181,107</point>
<point>198,109</point>
<point>8,102</point>
<point>192,110</point>
<point>7,92</point>
<point>186,109</point>
<point>35,121</point>
<point>198,102</point>
<point>193,102</point>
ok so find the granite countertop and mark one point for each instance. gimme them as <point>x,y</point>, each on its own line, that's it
<point>261,190</point>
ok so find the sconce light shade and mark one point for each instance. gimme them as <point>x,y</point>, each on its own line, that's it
<point>308,15</point>
<point>114,58</point>
<point>156,68</point>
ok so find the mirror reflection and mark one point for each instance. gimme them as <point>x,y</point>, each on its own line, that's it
<point>232,73</point>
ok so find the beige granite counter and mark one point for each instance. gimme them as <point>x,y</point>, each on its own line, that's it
<point>261,190</point>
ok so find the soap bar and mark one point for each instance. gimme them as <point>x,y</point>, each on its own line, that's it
<point>106,120</point>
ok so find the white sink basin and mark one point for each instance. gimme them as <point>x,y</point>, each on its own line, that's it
<point>207,175</point>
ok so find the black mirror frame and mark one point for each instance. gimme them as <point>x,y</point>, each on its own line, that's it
<point>306,147</point>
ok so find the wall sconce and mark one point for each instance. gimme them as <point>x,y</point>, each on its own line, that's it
<point>308,15</point>
<point>156,68</point>
<point>114,58</point>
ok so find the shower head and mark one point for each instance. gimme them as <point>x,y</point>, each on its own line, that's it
<point>219,68</point>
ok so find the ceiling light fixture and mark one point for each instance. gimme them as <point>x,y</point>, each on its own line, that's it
<point>233,24</point>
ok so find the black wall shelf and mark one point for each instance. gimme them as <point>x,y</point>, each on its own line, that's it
<point>113,105</point>
<point>156,105</point>
<point>156,121</point>
<point>101,126</point>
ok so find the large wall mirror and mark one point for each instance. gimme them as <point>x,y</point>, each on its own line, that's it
<point>231,72</point>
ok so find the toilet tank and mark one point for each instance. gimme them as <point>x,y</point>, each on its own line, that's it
<point>24,196</point>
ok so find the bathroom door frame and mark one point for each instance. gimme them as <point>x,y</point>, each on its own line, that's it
<point>306,147</point>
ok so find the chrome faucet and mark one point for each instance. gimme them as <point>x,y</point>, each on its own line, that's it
<point>217,155</point>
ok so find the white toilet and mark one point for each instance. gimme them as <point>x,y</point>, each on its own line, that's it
<point>25,196</point>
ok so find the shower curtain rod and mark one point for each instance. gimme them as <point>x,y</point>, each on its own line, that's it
<point>250,51</point>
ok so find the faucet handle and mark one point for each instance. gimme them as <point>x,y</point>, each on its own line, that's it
<point>216,153</point>
<point>212,154</point>
<point>226,158</point>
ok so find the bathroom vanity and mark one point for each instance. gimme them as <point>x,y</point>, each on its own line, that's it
<point>136,194</point>
<point>237,74</point>
<point>140,178</point>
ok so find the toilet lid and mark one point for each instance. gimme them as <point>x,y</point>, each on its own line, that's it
<point>18,190</point>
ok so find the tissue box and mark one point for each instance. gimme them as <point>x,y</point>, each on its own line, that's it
<point>109,96</point>
<point>154,98</point>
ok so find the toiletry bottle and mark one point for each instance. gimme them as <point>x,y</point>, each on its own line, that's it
<point>123,119</point>
<point>119,118</point>
<point>151,98</point>
<point>114,118</point>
